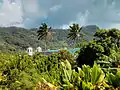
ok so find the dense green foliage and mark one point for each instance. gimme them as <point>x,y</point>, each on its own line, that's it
<point>23,72</point>
<point>104,47</point>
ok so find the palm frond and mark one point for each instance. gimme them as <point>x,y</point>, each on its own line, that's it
<point>74,31</point>
<point>44,32</point>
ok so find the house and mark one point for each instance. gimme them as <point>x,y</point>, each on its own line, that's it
<point>39,49</point>
<point>30,51</point>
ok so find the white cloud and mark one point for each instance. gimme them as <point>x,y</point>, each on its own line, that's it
<point>31,8</point>
<point>55,8</point>
<point>81,19</point>
<point>10,14</point>
<point>104,13</point>
<point>2,14</point>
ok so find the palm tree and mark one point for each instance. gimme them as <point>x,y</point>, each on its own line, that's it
<point>75,32</point>
<point>44,33</point>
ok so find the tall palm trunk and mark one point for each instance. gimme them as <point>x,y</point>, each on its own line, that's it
<point>45,44</point>
<point>76,41</point>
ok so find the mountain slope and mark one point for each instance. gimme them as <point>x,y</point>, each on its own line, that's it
<point>14,38</point>
<point>89,31</point>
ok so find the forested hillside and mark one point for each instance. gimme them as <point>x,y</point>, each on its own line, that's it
<point>14,38</point>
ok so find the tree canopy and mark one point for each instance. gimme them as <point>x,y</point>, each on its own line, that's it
<point>105,43</point>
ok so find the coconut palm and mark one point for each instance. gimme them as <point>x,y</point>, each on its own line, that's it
<point>44,33</point>
<point>75,32</point>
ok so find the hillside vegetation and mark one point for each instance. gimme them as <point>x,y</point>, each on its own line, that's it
<point>17,39</point>
<point>96,66</point>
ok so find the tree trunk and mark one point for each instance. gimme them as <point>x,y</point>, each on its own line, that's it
<point>76,42</point>
<point>45,44</point>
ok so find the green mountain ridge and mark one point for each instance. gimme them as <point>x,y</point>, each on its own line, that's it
<point>14,38</point>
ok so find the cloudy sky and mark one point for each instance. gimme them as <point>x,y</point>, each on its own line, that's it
<point>60,13</point>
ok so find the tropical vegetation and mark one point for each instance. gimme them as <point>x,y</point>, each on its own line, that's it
<point>96,66</point>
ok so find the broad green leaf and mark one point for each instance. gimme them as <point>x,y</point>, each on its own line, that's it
<point>86,70</point>
<point>97,74</point>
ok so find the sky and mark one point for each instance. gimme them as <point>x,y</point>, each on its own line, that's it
<point>60,13</point>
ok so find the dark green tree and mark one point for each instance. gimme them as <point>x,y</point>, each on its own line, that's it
<point>101,34</point>
<point>115,36</point>
<point>105,43</point>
